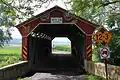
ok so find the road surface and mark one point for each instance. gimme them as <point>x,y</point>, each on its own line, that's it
<point>49,76</point>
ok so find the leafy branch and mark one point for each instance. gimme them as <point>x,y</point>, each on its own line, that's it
<point>108,3</point>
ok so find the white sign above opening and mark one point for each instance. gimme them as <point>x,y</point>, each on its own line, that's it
<point>56,20</point>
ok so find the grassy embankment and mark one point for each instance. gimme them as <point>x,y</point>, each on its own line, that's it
<point>10,55</point>
<point>65,49</point>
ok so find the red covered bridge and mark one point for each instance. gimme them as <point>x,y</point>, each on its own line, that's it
<point>39,31</point>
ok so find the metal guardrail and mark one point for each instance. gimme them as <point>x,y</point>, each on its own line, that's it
<point>14,71</point>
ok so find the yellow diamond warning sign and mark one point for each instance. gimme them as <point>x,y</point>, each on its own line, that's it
<point>102,36</point>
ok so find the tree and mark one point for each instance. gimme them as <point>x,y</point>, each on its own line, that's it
<point>102,12</point>
<point>115,46</point>
<point>16,11</point>
<point>25,8</point>
<point>98,11</point>
<point>7,20</point>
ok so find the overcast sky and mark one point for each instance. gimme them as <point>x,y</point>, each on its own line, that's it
<point>16,33</point>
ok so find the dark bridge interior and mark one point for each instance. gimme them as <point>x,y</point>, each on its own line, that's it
<point>40,47</point>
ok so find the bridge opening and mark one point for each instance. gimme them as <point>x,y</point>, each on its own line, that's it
<point>61,45</point>
<point>40,47</point>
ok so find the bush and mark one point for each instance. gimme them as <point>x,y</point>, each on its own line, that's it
<point>93,77</point>
<point>6,60</point>
<point>95,54</point>
<point>9,55</point>
<point>115,47</point>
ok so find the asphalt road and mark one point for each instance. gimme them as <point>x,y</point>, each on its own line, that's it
<point>49,76</point>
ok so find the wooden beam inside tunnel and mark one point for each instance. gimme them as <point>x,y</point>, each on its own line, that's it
<point>41,35</point>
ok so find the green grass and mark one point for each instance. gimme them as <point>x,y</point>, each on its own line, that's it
<point>63,47</point>
<point>10,55</point>
<point>64,52</point>
<point>66,49</point>
<point>93,77</point>
<point>10,49</point>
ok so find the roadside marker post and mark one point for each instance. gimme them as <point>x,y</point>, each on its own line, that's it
<point>106,70</point>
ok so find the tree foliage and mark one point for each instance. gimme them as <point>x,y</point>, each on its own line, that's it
<point>7,20</point>
<point>16,11</point>
<point>102,12</point>
<point>25,8</point>
<point>98,11</point>
<point>115,46</point>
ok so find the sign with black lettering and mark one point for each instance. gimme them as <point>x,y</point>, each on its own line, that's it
<point>102,36</point>
<point>56,20</point>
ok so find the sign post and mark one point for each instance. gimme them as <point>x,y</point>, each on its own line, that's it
<point>105,61</point>
<point>103,36</point>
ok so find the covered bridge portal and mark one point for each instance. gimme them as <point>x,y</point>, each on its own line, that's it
<point>39,31</point>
